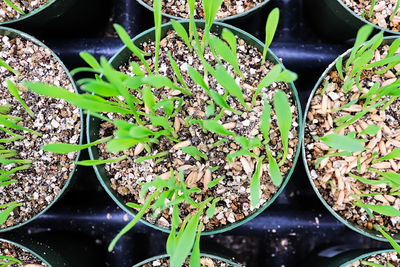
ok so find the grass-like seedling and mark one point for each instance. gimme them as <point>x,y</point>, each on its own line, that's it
<point>7,261</point>
<point>11,4</point>
<point>144,119</point>
<point>372,7</point>
<point>9,125</point>
<point>373,97</point>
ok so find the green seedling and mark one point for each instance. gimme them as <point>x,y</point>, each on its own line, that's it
<point>8,261</point>
<point>396,8</point>
<point>270,29</point>
<point>16,8</point>
<point>141,115</point>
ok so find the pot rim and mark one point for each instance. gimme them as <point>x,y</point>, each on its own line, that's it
<point>201,255</point>
<point>364,255</point>
<point>25,248</point>
<point>30,14</point>
<point>233,17</point>
<point>16,33</point>
<point>229,226</point>
<point>366,21</point>
<point>355,227</point>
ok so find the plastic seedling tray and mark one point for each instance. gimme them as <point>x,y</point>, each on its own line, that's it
<point>294,228</point>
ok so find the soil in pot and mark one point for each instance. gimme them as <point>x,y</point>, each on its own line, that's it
<point>27,258</point>
<point>205,261</point>
<point>234,189</point>
<point>39,185</point>
<point>385,13</point>
<point>382,258</point>
<point>342,179</point>
<point>21,8</point>
<point>180,8</point>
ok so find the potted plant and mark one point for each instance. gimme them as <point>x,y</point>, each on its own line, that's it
<point>184,142</point>
<point>178,10</point>
<point>30,179</point>
<point>207,260</point>
<point>351,136</point>
<point>340,20</point>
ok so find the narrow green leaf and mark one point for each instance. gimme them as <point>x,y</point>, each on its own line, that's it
<point>270,29</point>
<point>342,142</point>
<point>132,223</point>
<point>384,210</point>
<point>8,67</point>
<point>14,92</point>
<point>180,30</point>
<point>274,170</point>
<point>271,77</point>
<point>389,238</point>
<point>255,184</point>
<point>90,60</point>
<point>229,83</point>
<point>339,67</point>
<point>284,116</point>
<point>100,162</point>
<point>6,212</point>
<point>216,127</point>
<point>148,97</point>
<point>211,210</point>
<point>128,42</point>
<point>88,102</point>
<point>371,130</point>
<point>230,38</point>
<point>61,148</point>
<point>362,36</point>
<point>215,182</point>
<point>392,155</point>
<point>194,152</point>
<point>16,8</point>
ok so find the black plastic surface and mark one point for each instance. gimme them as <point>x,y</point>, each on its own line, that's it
<point>84,221</point>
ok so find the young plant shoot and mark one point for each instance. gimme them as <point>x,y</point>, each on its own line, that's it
<point>356,134</point>
<point>145,120</point>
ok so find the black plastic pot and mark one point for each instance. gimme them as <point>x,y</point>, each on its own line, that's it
<point>140,264</point>
<point>240,16</point>
<point>336,21</point>
<point>13,34</point>
<point>122,57</point>
<point>354,226</point>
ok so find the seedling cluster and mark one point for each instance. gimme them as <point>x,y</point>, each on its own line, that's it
<point>142,120</point>
<point>9,125</point>
<point>371,10</point>
<point>377,97</point>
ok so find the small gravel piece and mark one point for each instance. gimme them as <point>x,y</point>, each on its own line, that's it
<point>7,249</point>
<point>381,15</point>
<point>58,121</point>
<point>383,259</point>
<point>7,13</point>
<point>180,8</point>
